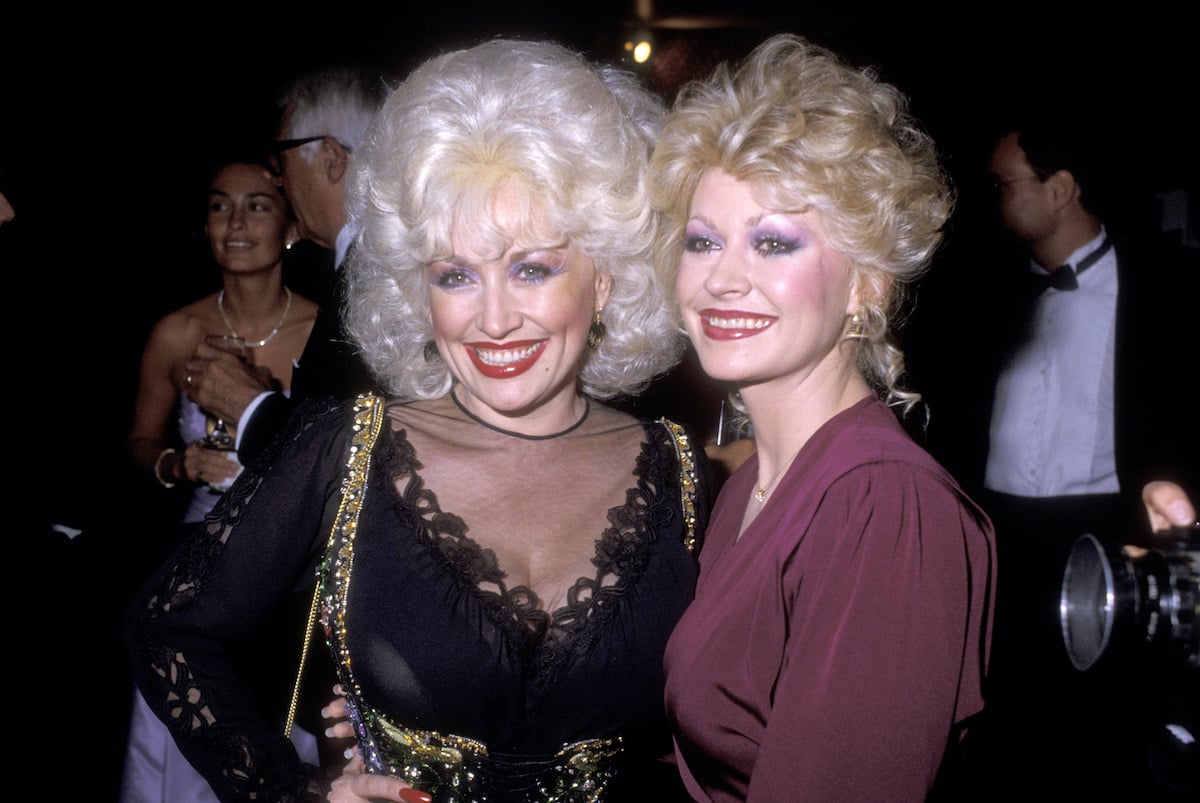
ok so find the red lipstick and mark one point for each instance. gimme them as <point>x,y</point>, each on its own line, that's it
<point>729,324</point>
<point>505,360</point>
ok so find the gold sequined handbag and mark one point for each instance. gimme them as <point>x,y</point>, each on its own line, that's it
<point>375,404</point>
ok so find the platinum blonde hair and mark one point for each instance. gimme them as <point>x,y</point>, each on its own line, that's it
<point>809,131</point>
<point>572,139</point>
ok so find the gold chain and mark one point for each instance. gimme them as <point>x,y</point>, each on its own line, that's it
<point>760,493</point>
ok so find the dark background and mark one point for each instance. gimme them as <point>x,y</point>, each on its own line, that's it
<point>108,117</point>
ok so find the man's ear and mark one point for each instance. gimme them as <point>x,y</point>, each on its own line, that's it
<point>1063,187</point>
<point>335,159</point>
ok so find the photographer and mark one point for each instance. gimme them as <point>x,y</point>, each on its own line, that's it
<point>1055,424</point>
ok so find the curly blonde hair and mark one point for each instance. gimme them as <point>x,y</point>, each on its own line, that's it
<point>810,131</point>
<point>571,138</point>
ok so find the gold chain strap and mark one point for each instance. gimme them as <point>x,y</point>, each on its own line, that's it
<point>375,403</point>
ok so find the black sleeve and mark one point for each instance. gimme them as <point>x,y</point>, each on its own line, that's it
<point>329,367</point>
<point>228,581</point>
<point>267,421</point>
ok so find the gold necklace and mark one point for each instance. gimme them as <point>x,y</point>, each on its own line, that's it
<point>760,493</point>
<point>287,307</point>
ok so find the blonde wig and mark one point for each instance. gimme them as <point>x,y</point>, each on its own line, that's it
<point>570,138</point>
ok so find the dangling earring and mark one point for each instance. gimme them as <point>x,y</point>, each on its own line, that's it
<point>431,351</point>
<point>596,332</point>
<point>288,245</point>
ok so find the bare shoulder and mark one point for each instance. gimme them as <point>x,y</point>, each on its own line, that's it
<point>177,333</point>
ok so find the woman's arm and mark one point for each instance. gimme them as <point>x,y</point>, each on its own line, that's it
<point>156,398</point>
<point>245,565</point>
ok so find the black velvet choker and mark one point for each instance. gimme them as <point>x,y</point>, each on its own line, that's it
<point>587,409</point>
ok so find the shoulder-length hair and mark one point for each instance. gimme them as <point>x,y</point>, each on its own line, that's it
<point>809,131</point>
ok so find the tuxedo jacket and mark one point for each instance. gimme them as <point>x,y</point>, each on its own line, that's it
<point>330,364</point>
<point>972,328</point>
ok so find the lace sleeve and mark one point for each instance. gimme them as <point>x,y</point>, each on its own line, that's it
<point>230,579</point>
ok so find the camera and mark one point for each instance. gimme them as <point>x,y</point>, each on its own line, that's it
<point>1117,601</point>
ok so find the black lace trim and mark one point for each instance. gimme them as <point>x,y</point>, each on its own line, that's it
<point>622,550</point>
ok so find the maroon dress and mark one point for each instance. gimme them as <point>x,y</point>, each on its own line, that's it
<point>833,651</point>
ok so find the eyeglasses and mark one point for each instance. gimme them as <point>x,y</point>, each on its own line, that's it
<point>281,145</point>
<point>1000,183</point>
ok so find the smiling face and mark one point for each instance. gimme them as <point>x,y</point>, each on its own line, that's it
<point>762,293</point>
<point>248,220</point>
<point>513,327</point>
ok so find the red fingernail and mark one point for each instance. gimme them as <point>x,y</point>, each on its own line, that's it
<point>415,796</point>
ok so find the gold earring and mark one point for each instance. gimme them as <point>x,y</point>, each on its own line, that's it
<point>596,332</point>
<point>857,328</point>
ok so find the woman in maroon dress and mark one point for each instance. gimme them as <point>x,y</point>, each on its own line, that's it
<point>840,631</point>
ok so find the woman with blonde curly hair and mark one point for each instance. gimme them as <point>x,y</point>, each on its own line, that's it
<point>500,556</point>
<point>840,630</point>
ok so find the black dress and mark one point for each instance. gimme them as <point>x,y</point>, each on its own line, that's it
<point>471,685</point>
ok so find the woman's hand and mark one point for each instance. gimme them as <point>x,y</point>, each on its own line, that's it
<point>336,710</point>
<point>356,786</point>
<point>202,463</point>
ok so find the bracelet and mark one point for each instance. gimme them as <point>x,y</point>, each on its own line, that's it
<point>158,468</point>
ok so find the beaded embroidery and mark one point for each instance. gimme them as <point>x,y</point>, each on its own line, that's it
<point>454,769</point>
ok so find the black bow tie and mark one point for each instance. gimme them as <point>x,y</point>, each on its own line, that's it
<point>1063,277</point>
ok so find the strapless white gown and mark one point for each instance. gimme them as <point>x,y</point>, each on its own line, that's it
<point>192,427</point>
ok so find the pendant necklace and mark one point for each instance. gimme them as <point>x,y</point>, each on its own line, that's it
<point>259,343</point>
<point>587,409</point>
<point>760,493</point>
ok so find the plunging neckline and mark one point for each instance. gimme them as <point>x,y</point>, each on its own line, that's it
<point>622,548</point>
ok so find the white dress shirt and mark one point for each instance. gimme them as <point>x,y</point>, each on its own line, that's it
<point>1052,417</point>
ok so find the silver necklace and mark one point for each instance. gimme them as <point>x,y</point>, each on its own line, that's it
<point>259,343</point>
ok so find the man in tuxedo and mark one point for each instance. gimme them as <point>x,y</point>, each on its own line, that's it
<point>324,117</point>
<point>1072,417</point>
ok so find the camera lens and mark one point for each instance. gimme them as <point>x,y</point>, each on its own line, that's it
<point>1087,606</point>
<point>1113,601</point>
